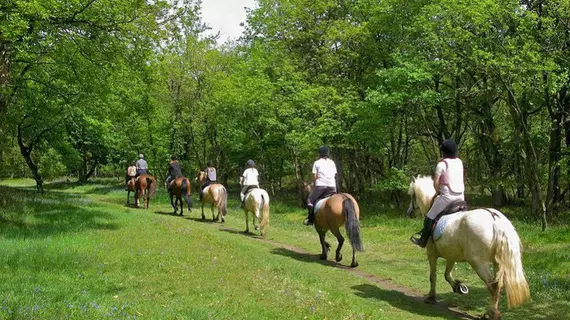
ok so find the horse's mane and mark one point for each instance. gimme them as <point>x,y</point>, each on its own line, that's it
<point>422,187</point>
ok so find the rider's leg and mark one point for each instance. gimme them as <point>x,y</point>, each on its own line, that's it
<point>439,204</point>
<point>425,233</point>
<point>242,196</point>
<point>315,194</point>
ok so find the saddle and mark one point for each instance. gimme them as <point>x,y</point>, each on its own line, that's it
<point>321,200</point>
<point>454,207</point>
<point>249,189</point>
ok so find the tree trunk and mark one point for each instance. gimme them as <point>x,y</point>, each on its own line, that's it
<point>554,157</point>
<point>4,76</point>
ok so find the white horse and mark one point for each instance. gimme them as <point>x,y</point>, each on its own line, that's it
<point>257,202</point>
<point>480,237</point>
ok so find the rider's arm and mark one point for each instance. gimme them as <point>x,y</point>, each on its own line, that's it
<point>438,171</point>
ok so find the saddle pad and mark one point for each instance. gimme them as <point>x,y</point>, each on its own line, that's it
<point>440,226</point>
<point>206,190</point>
<point>320,204</point>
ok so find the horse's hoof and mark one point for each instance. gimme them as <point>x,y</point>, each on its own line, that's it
<point>463,289</point>
<point>323,257</point>
<point>492,315</point>
<point>256,228</point>
<point>354,265</point>
<point>338,258</point>
<point>203,218</point>
<point>430,300</point>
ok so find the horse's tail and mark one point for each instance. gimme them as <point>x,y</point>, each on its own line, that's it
<point>185,190</point>
<point>352,225</point>
<point>508,256</point>
<point>151,185</point>
<point>265,215</point>
<point>223,202</point>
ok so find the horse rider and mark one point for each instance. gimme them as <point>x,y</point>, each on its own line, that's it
<point>174,171</point>
<point>142,166</point>
<point>324,177</point>
<point>210,177</point>
<point>248,180</point>
<point>131,173</point>
<point>449,186</point>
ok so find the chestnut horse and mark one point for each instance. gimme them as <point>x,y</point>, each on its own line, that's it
<point>481,237</point>
<point>216,195</point>
<point>180,187</point>
<point>333,212</point>
<point>130,188</point>
<point>145,185</point>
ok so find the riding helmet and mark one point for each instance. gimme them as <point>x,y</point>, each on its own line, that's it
<point>141,156</point>
<point>449,148</point>
<point>173,158</point>
<point>323,151</point>
<point>210,163</point>
<point>250,163</point>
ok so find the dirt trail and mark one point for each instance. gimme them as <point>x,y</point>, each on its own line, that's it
<point>385,284</point>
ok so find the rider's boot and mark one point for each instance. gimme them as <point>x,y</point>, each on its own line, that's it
<point>311,216</point>
<point>424,234</point>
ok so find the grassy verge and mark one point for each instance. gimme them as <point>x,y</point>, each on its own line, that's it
<point>79,252</point>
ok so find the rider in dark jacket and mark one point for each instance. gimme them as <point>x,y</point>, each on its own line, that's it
<point>174,171</point>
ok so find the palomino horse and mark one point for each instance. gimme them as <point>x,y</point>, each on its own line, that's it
<point>480,237</point>
<point>257,202</point>
<point>179,187</point>
<point>145,185</point>
<point>216,195</point>
<point>330,214</point>
<point>130,188</point>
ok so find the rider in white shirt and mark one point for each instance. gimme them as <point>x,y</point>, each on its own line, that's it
<point>449,185</point>
<point>324,175</point>
<point>249,180</point>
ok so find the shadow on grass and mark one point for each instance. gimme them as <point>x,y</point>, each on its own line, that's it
<point>408,303</point>
<point>24,213</point>
<point>309,257</point>
<point>170,213</point>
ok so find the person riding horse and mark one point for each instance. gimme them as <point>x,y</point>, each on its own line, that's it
<point>324,173</point>
<point>248,180</point>
<point>210,175</point>
<point>142,166</point>
<point>174,171</point>
<point>448,182</point>
<point>131,173</point>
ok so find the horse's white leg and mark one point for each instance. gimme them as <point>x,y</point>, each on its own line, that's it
<point>485,273</point>
<point>245,212</point>
<point>256,217</point>
<point>432,259</point>
<point>214,218</point>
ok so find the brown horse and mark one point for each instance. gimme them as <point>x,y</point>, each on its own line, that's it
<point>180,187</point>
<point>332,213</point>
<point>145,185</point>
<point>130,188</point>
<point>216,195</point>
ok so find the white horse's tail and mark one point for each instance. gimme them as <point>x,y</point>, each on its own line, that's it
<point>265,215</point>
<point>508,256</point>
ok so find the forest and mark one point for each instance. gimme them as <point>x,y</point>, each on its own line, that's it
<point>87,85</point>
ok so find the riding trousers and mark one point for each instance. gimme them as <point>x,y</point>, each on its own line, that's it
<point>244,190</point>
<point>442,201</point>
<point>317,193</point>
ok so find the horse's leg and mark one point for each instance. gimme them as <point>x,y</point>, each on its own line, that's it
<point>340,239</point>
<point>324,245</point>
<point>255,216</point>
<point>181,205</point>
<point>172,203</point>
<point>485,273</point>
<point>128,196</point>
<point>245,212</point>
<point>203,215</point>
<point>432,258</point>
<point>456,285</point>
<point>214,218</point>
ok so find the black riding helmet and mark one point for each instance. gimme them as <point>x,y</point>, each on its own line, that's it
<point>173,158</point>
<point>449,148</point>
<point>210,163</point>
<point>323,151</point>
<point>250,163</point>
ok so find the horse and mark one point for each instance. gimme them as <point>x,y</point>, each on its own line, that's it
<point>145,185</point>
<point>257,202</point>
<point>330,214</point>
<point>214,194</point>
<point>179,187</point>
<point>130,188</point>
<point>480,237</point>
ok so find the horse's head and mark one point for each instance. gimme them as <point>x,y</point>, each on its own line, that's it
<point>201,177</point>
<point>421,192</point>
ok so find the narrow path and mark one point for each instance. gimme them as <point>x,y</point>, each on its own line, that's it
<point>386,284</point>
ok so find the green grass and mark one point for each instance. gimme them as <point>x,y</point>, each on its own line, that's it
<point>78,252</point>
